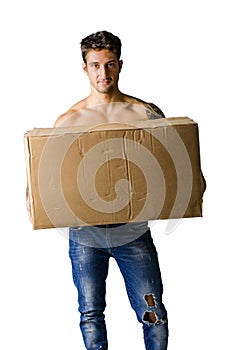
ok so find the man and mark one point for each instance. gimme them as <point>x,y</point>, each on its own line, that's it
<point>92,246</point>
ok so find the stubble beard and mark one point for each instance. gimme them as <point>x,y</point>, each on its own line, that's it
<point>105,89</point>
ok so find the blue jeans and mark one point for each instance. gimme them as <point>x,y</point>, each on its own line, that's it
<point>138,263</point>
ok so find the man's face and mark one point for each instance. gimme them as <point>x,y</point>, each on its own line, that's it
<point>102,68</point>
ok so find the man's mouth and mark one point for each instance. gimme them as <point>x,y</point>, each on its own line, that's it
<point>104,82</point>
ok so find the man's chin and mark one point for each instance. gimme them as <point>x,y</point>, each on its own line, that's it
<point>105,89</point>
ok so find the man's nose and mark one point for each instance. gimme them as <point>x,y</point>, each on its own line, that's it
<point>103,72</point>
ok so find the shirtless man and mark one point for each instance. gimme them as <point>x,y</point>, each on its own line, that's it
<point>137,260</point>
<point>105,103</point>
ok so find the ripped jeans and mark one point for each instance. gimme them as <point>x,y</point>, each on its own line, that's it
<point>138,263</point>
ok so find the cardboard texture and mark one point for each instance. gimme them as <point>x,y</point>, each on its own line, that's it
<point>114,173</point>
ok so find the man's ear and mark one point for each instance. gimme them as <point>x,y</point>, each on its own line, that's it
<point>84,66</point>
<point>120,65</point>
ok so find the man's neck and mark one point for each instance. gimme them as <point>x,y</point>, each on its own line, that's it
<point>96,98</point>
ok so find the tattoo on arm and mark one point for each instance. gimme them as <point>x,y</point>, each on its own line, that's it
<point>151,115</point>
<point>153,112</point>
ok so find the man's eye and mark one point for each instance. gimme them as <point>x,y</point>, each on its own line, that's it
<point>110,65</point>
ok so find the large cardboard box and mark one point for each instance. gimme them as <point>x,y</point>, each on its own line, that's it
<point>114,173</point>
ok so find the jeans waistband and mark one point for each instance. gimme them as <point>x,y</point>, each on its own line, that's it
<point>109,225</point>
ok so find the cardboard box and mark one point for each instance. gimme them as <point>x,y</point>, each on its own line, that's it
<point>114,173</point>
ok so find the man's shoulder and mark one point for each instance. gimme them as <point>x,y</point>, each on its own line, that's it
<point>72,112</point>
<point>152,110</point>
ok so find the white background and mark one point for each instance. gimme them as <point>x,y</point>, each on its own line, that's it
<point>176,54</point>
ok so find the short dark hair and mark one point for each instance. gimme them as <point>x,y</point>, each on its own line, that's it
<point>99,41</point>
